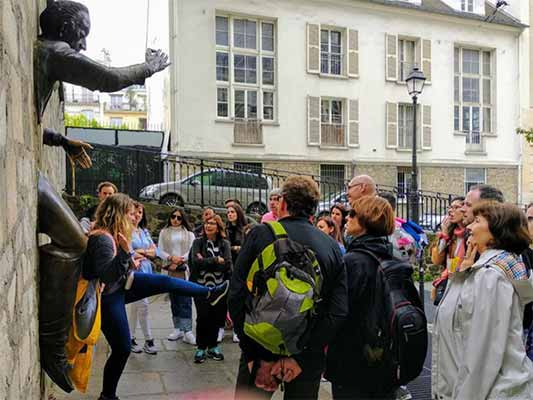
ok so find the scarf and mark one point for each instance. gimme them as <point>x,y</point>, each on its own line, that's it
<point>459,233</point>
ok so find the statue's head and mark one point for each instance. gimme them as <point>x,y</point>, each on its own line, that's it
<point>67,21</point>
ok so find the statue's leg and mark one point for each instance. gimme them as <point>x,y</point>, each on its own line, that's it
<point>59,269</point>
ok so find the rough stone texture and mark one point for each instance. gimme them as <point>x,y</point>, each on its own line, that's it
<point>506,179</point>
<point>443,179</point>
<point>21,156</point>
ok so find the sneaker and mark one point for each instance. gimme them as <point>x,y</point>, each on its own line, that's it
<point>220,336</point>
<point>175,335</point>
<point>199,356</point>
<point>149,347</point>
<point>215,354</point>
<point>189,338</point>
<point>235,338</point>
<point>217,293</point>
<point>135,348</point>
<point>403,393</point>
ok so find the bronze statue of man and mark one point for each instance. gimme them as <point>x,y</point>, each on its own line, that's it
<point>65,26</point>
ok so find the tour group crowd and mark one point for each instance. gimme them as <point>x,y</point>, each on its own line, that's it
<point>482,340</point>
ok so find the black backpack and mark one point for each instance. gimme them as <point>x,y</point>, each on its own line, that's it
<point>395,334</point>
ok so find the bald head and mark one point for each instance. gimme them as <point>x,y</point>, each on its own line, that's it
<point>359,186</point>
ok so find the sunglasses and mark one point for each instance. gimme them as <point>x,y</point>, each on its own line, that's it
<point>176,217</point>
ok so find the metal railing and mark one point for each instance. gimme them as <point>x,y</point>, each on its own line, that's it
<point>332,135</point>
<point>173,180</point>
<point>247,131</point>
<point>474,142</point>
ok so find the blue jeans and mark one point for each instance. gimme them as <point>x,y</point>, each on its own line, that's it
<point>115,321</point>
<point>181,307</point>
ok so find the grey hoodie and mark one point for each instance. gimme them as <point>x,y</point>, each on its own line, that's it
<point>478,350</point>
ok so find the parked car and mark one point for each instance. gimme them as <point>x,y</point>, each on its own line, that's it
<point>329,201</point>
<point>212,188</point>
<point>431,222</point>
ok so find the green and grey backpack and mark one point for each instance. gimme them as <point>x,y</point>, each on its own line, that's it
<point>284,284</point>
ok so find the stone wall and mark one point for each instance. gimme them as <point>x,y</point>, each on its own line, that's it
<point>505,179</point>
<point>21,156</point>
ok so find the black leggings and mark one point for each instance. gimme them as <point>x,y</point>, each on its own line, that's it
<point>208,321</point>
<point>115,321</point>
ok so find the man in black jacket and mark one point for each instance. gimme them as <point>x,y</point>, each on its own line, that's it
<point>258,367</point>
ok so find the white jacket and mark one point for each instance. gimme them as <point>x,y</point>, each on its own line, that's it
<point>478,350</point>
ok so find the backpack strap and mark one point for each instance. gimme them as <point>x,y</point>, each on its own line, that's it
<point>277,229</point>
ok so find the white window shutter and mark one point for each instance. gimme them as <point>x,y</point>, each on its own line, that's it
<point>353,123</point>
<point>426,127</point>
<point>426,59</point>
<point>313,121</point>
<point>313,48</point>
<point>353,53</point>
<point>392,125</point>
<point>391,57</point>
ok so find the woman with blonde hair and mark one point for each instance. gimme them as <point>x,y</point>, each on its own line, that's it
<point>478,349</point>
<point>109,257</point>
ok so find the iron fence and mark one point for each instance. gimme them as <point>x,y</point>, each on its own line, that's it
<point>172,180</point>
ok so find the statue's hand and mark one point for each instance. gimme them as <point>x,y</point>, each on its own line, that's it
<point>156,60</point>
<point>76,152</point>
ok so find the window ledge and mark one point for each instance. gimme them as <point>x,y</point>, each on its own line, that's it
<point>475,153</point>
<point>270,123</point>
<point>399,150</point>
<point>332,76</point>
<point>489,135</point>
<point>232,121</point>
<point>248,145</point>
<point>326,147</point>
<point>459,133</point>
<point>224,120</point>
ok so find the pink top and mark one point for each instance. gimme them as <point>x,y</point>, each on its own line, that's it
<point>269,216</point>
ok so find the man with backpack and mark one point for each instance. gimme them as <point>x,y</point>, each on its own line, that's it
<point>287,299</point>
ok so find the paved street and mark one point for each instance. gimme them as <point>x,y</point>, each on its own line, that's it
<point>172,374</point>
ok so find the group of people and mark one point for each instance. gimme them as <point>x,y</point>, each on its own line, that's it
<point>482,330</point>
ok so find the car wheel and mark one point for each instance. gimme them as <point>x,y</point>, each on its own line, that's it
<point>172,200</point>
<point>257,208</point>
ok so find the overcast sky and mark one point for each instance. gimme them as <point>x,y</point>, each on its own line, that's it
<point>120,27</point>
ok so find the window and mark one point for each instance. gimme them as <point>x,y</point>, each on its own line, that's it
<point>406,57</point>
<point>332,122</point>
<point>473,177</point>
<point>246,104</point>
<point>330,52</point>
<point>255,168</point>
<point>116,122</point>
<point>222,102</point>
<point>116,101</point>
<point>467,5</point>
<point>245,68</point>
<point>473,93</point>
<point>405,126</point>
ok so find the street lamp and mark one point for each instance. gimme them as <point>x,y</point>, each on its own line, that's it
<point>415,85</point>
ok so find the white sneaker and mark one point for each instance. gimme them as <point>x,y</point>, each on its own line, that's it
<point>149,347</point>
<point>235,338</point>
<point>220,337</point>
<point>189,338</point>
<point>175,335</point>
<point>135,348</point>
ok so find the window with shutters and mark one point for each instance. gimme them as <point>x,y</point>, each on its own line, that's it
<point>332,122</point>
<point>473,99</point>
<point>332,51</point>
<point>246,74</point>
<point>405,126</point>
<point>467,5</point>
<point>473,177</point>
<point>403,53</point>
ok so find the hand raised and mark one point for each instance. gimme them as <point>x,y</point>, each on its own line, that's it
<point>77,152</point>
<point>156,60</point>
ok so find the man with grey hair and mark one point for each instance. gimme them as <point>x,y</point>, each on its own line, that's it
<point>360,186</point>
<point>273,204</point>
<point>476,194</point>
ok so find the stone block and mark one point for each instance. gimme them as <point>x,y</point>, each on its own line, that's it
<point>12,296</point>
<point>3,116</point>
<point>6,357</point>
<point>10,31</point>
<point>11,190</point>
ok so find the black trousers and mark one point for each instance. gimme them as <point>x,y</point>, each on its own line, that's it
<point>340,391</point>
<point>304,387</point>
<point>208,320</point>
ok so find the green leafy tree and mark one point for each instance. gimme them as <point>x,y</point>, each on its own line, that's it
<point>528,134</point>
<point>81,121</point>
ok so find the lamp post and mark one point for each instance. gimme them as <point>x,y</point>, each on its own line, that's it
<point>415,85</point>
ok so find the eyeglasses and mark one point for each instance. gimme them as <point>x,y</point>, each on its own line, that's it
<point>348,187</point>
<point>176,217</point>
<point>210,223</point>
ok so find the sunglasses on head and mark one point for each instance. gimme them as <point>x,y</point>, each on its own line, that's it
<point>176,217</point>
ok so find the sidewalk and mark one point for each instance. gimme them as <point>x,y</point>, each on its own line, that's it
<point>172,374</point>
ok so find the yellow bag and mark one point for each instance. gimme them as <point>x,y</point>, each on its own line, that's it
<point>86,323</point>
<point>85,330</point>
